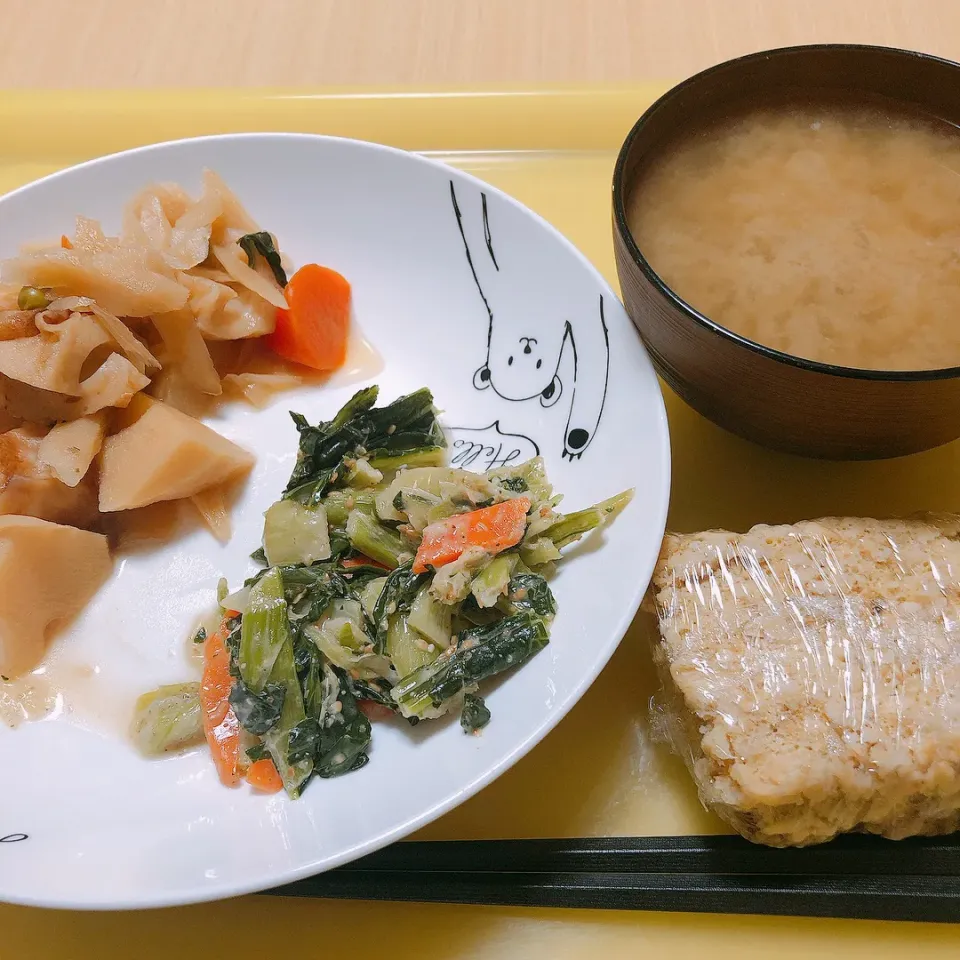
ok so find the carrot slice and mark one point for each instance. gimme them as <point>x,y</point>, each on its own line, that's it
<point>315,327</point>
<point>263,776</point>
<point>362,561</point>
<point>491,528</point>
<point>65,242</point>
<point>220,724</point>
<point>374,711</point>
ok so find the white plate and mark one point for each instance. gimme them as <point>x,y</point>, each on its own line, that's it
<point>84,821</point>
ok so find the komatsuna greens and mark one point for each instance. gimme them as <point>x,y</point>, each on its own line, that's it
<point>389,584</point>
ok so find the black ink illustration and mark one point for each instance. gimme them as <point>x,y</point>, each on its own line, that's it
<point>13,838</point>
<point>525,346</point>
<point>486,448</point>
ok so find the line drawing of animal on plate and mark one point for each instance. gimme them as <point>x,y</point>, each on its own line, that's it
<point>525,345</point>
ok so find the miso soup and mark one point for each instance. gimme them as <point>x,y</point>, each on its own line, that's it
<point>825,230</point>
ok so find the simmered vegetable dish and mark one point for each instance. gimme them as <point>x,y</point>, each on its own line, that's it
<point>390,584</point>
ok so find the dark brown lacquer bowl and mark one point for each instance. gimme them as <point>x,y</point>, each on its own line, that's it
<point>762,394</point>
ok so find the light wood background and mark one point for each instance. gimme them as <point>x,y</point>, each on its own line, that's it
<point>119,43</point>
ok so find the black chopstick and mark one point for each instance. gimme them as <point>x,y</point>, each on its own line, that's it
<point>854,877</point>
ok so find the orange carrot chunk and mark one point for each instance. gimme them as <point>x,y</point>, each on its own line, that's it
<point>314,328</point>
<point>493,529</point>
<point>220,724</point>
<point>263,776</point>
<point>65,242</point>
<point>374,711</point>
<point>362,561</point>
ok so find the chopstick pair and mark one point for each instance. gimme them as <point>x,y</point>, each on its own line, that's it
<point>853,877</point>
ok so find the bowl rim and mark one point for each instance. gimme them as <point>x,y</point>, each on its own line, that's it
<point>691,312</point>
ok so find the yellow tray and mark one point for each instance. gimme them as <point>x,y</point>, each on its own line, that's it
<point>598,772</point>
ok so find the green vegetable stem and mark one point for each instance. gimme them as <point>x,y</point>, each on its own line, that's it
<point>481,652</point>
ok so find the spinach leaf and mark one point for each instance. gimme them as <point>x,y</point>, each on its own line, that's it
<point>294,773</point>
<point>407,425</point>
<point>232,643</point>
<point>339,545</point>
<point>319,448</point>
<point>304,738</point>
<point>257,712</point>
<point>313,597</point>
<point>360,575</point>
<point>480,652</point>
<point>257,752</point>
<point>338,740</point>
<point>262,243</point>
<point>376,690</point>
<point>397,596</point>
<point>309,588</point>
<point>473,614</point>
<point>309,661</point>
<point>474,716</point>
<point>258,556</point>
<point>530,591</point>
<point>312,491</point>
<point>346,735</point>
<point>514,484</point>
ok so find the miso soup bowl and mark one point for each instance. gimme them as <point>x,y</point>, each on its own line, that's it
<point>770,397</point>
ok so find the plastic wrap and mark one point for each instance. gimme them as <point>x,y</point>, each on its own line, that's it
<point>811,675</point>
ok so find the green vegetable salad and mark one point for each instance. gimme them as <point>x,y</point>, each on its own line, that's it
<point>390,584</point>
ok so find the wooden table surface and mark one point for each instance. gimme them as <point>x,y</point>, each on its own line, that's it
<point>121,43</point>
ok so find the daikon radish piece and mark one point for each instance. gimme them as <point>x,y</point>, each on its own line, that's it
<point>164,455</point>
<point>49,573</point>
